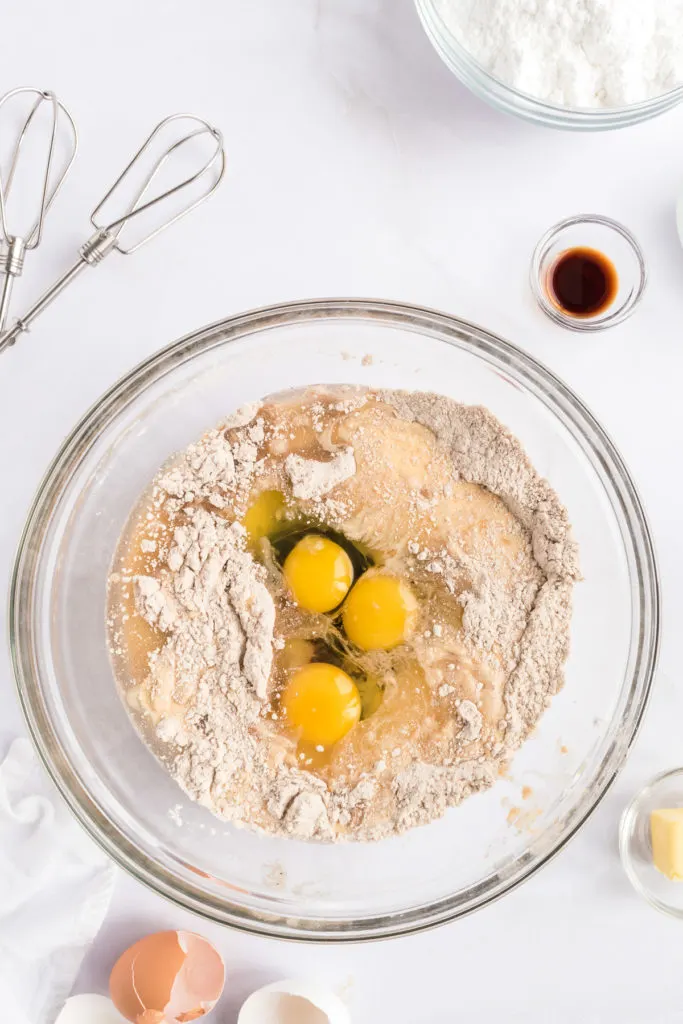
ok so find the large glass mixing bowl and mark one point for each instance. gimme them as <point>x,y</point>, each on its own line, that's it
<point>116,788</point>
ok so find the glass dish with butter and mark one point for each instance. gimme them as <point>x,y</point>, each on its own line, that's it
<point>651,842</point>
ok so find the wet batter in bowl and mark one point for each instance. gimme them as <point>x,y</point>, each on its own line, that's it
<point>340,613</point>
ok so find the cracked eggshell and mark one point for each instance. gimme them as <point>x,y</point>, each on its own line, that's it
<point>89,1009</point>
<point>293,1002</point>
<point>167,977</point>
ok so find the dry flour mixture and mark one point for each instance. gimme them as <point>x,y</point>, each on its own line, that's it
<point>336,616</point>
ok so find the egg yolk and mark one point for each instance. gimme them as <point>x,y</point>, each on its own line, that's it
<point>321,703</point>
<point>296,652</point>
<point>264,516</point>
<point>319,573</point>
<point>379,612</point>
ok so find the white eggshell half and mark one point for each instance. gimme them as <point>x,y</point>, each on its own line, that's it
<point>679,218</point>
<point>293,1002</point>
<point>89,1009</point>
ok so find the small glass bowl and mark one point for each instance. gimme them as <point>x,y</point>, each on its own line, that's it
<point>505,97</point>
<point>615,242</point>
<point>635,844</point>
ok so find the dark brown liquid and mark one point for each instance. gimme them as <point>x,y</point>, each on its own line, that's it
<point>583,282</point>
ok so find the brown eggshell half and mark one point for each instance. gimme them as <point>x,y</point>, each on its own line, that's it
<point>168,976</point>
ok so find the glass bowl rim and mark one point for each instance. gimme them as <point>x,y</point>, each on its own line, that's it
<point>539,381</point>
<point>607,319</point>
<point>543,111</point>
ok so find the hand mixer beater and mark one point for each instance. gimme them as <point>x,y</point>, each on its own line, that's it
<point>48,128</point>
<point>180,139</point>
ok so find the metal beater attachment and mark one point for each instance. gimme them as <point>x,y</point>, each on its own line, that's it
<point>48,126</point>
<point>194,145</point>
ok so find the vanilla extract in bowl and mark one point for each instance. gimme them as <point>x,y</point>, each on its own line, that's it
<point>583,282</point>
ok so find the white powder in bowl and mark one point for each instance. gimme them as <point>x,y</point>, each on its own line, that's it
<point>574,53</point>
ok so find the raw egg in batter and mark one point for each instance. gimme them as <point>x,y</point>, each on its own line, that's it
<point>319,573</point>
<point>296,652</point>
<point>379,613</point>
<point>265,516</point>
<point>321,703</point>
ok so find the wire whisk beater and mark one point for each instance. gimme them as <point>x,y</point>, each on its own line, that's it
<point>56,142</point>
<point>163,182</point>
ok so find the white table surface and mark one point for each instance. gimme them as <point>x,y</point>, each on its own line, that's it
<point>359,166</point>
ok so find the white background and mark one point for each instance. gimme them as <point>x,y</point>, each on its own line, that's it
<point>359,166</point>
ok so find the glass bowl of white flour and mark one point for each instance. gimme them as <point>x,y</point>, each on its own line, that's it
<point>586,65</point>
<point>284,885</point>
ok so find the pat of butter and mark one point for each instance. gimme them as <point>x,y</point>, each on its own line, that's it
<point>666,828</point>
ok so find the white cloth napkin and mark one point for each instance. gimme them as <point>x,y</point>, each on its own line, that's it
<point>55,888</point>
